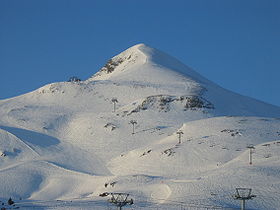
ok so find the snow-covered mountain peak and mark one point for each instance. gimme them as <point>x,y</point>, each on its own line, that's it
<point>143,63</point>
<point>137,46</point>
<point>146,125</point>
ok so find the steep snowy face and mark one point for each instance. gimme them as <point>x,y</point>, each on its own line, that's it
<point>125,61</point>
<point>165,61</point>
<point>145,64</point>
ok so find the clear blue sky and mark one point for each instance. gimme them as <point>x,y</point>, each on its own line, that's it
<point>235,43</point>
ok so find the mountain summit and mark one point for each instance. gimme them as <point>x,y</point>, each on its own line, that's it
<point>143,63</point>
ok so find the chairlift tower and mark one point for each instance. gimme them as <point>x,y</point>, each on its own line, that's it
<point>120,200</point>
<point>251,148</point>
<point>180,135</point>
<point>114,100</point>
<point>133,122</point>
<point>243,194</point>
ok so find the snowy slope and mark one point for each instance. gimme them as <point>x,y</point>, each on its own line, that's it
<point>64,141</point>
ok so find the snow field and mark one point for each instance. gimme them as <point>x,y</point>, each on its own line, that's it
<point>64,142</point>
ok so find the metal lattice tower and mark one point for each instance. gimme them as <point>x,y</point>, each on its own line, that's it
<point>243,194</point>
<point>120,199</point>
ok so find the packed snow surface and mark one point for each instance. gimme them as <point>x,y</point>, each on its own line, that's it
<point>63,145</point>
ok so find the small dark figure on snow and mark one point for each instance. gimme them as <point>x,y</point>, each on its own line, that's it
<point>10,201</point>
